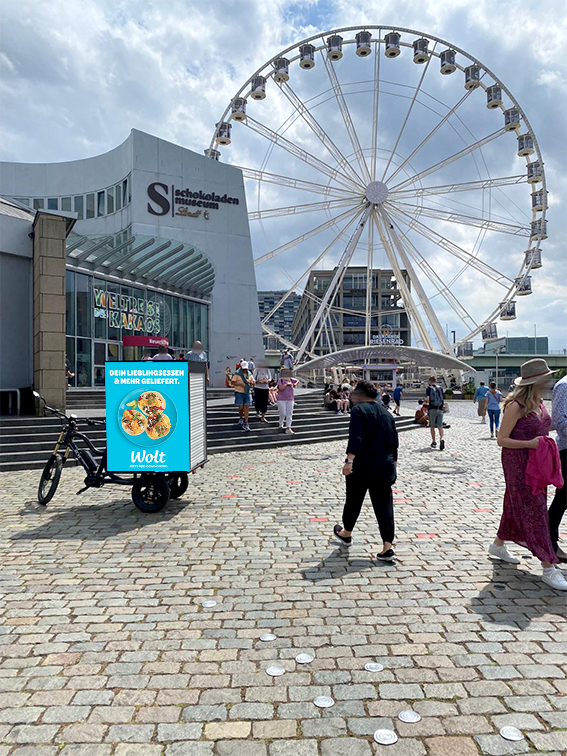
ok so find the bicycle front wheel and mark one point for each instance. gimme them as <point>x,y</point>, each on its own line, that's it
<point>50,479</point>
<point>150,493</point>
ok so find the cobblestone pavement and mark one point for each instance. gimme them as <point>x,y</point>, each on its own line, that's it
<point>107,649</point>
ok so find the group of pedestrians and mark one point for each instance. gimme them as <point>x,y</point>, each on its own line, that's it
<point>531,461</point>
<point>250,381</point>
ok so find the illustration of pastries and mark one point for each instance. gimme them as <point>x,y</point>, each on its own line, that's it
<point>150,402</point>
<point>158,425</point>
<point>133,422</point>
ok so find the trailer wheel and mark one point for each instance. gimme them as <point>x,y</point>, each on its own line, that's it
<point>150,493</point>
<point>178,484</point>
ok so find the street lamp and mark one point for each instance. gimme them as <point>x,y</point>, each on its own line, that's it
<point>496,353</point>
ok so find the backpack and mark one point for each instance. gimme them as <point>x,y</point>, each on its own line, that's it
<point>436,397</point>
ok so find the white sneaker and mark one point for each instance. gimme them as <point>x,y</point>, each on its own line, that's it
<point>554,579</point>
<point>483,421</point>
<point>502,553</point>
<point>289,431</point>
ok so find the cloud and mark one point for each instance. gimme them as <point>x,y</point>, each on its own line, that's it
<point>77,75</point>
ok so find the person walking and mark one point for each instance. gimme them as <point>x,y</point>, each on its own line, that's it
<point>480,397</point>
<point>370,467</point>
<point>286,386</point>
<point>436,400</point>
<point>493,399</point>
<point>162,355</point>
<point>262,378</point>
<point>398,394</point>
<point>251,365</point>
<point>525,519</point>
<point>559,423</point>
<point>286,360</point>
<point>242,383</point>
<point>197,354</point>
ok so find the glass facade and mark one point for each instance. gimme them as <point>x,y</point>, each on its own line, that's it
<point>100,313</point>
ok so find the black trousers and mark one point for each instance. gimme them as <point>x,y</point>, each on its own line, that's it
<point>361,482</point>
<point>559,503</point>
<point>261,400</point>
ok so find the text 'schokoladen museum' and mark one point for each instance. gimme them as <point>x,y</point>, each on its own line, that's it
<point>104,257</point>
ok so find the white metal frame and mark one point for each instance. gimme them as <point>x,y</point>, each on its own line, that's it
<point>408,202</point>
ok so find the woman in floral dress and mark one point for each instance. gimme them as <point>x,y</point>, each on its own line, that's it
<point>524,517</point>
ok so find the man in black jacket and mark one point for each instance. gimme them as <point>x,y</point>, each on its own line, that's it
<point>370,466</point>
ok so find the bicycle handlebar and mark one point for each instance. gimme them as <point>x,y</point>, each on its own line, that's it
<point>63,416</point>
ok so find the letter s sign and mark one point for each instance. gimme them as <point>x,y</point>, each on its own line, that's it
<point>159,199</point>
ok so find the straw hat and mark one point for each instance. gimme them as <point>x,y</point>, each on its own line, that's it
<point>533,371</point>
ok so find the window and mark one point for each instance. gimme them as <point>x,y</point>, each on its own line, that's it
<point>110,200</point>
<point>84,362</point>
<point>70,303</point>
<point>79,206</point>
<point>84,304</point>
<point>66,204</point>
<point>118,196</point>
<point>53,203</point>
<point>70,360</point>
<point>90,205</point>
<point>100,204</point>
<point>354,302</point>
<point>354,338</point>
<point>22,200</point>
<point>38,204</point>
<point>125,192</point>
<point>392,320</point>
<point>353,320</point>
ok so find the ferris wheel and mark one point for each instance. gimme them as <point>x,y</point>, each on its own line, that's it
<point>409,164</point>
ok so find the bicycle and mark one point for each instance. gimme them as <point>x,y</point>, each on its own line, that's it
<point>150,491</point>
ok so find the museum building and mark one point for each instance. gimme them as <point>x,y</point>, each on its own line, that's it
<point>105,258</point>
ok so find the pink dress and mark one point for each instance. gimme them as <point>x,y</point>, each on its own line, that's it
<point>524,516</point>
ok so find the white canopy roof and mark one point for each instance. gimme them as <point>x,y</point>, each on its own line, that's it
<point>372,354</point>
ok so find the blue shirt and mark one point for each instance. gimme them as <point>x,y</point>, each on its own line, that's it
<point>194,357</point>
<point>493,400</point>
<point>481,392</point>
<point>559,412</point>
<point>397,393</point>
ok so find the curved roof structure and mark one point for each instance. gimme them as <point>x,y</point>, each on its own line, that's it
<point>372,354</point>
<point>150,260</point>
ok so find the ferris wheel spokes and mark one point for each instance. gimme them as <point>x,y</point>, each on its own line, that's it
<point>412,103</point>
<point>466,186</point>
<point>375,112</point>
<point>299,152</point>
<point>449,246</point>
<point>303,237</point>
<point>319,259</point>
<point>312,207</point>
<point>456,156</point>
<point>349,125</point>
<point>444,120</point>
<point>318,130</point>
<point>409,305</point>
<point>466,220</point>
<point>442,288</point>
<point>294,183</point>
<point>417,286</point>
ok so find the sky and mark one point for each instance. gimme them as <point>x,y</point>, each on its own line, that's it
<point>76,76</point>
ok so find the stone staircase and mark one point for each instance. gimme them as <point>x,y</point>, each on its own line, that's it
<point>26,442</point>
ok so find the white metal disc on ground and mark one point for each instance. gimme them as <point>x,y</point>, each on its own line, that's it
<point>373,667</point>
<point>511,733</point>
<point>209,604</point>
<point>304,658</point>
<point>323,702</point>
<point>268,637</point>
<point>409,716</point>
<point>275,671</point>
<point>385,737</point>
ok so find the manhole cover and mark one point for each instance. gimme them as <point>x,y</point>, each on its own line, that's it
<point>442,469</point>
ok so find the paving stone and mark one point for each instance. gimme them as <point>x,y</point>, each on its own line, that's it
<point>31,734</point>
<point>451,746</point>
<point>128,733</point>
<point>251,711</point>
<point>284,728</point>
<point>293,748</point>
<point>231,748</point>
<point>401,690</point>
<point>220,730</point>
<point>189,749</point>
<point>89,749</point>
<point>167,732</point>
<point>494,745</point>
<point>345,747</point>
<point>549,741</point>
<point>82,733</point>
<point>138,749</point>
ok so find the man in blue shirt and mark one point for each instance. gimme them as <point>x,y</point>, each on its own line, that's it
<point>398,393</point>
<point>480,397</point>
<point>559,423</point>
<point>198,354</point>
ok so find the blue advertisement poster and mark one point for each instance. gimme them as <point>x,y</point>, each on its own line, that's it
<point>147,416</point>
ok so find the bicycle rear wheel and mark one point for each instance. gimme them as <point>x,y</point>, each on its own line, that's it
<point>178,484</point>
<point>50,479</point>
<point>150,493</point>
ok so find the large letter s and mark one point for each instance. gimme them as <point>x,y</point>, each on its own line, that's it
<point>158,198</point>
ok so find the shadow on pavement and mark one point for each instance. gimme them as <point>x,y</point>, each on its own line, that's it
<point>92,522</point>
<point>337,565</point>
<point>515,597</point>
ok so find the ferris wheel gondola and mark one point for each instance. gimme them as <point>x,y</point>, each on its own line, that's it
<point>372,197</point>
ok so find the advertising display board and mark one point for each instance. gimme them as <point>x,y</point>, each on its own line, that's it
<point>147,416</point>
